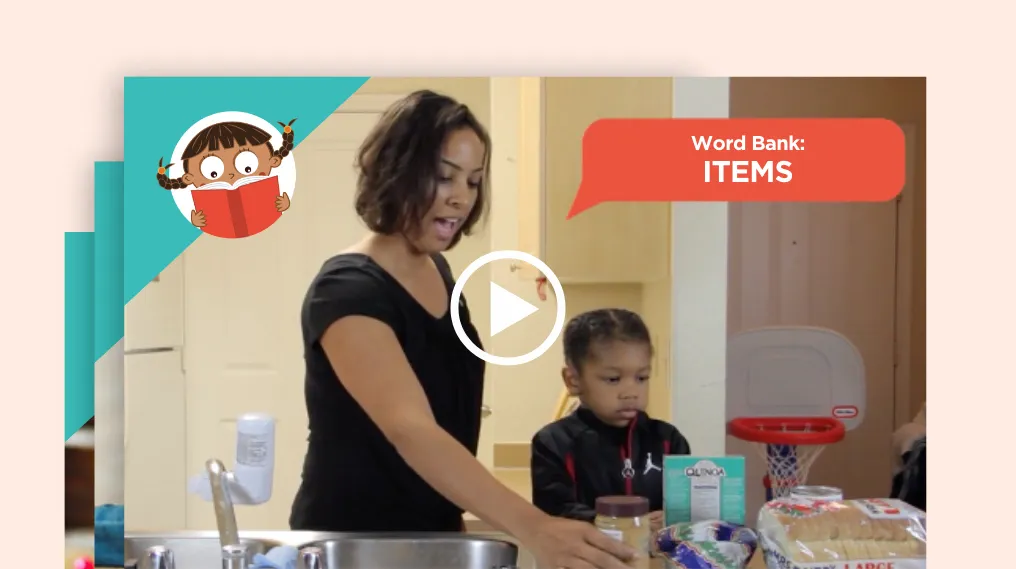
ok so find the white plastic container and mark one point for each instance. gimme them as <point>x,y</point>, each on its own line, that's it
<point>250,480</point>
<point>255,455</point>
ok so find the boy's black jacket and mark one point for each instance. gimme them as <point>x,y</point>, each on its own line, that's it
<point>579,458</point>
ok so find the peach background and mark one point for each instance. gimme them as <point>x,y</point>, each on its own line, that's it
<point>62,110</point>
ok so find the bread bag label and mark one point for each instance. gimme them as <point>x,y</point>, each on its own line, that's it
<point>878,509</point>
<point>775,560</point>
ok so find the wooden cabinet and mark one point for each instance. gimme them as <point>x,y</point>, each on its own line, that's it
<point>538,124</point>
<point>79,478</point>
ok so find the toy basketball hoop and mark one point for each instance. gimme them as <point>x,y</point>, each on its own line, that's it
<point>789,445</point>
<point>791,391</point>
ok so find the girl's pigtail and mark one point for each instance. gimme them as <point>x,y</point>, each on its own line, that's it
<point>167,182</point>
<point>287,139</point>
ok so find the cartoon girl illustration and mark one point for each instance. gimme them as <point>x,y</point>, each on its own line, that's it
<point>231,156</point>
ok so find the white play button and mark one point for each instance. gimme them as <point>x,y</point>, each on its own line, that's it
<point>506,309</point>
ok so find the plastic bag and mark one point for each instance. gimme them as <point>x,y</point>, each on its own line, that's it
<point>706,545</point>
<point>800,533</point>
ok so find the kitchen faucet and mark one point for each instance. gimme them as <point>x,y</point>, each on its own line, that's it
<point>225,515</point>
<point>250,481</point>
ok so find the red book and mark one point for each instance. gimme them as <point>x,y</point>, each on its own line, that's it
<point>239,210</point>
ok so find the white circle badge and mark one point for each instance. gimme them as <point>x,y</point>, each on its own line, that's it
<point>559,320</point>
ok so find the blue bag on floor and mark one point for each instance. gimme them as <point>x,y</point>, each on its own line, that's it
<point>109,535</point>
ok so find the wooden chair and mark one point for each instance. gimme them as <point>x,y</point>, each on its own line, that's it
<point>566,405</point>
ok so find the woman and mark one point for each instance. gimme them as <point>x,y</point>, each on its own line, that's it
<point>392,396</point>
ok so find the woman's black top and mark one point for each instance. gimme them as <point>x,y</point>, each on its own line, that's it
<point>353,478</point>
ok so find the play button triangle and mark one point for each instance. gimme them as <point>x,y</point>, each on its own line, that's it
<point>506,309</point>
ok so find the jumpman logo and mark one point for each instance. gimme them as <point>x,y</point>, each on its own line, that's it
<point>649,464</point>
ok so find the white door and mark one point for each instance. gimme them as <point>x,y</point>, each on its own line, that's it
<point>154,470</point>
<point>154,409</point>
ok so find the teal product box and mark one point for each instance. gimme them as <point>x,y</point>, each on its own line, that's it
<point>703,488</point>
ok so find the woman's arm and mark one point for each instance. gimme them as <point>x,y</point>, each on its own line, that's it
<point>369,361</point>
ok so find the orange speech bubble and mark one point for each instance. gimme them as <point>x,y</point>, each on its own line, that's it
<point>733,160</point>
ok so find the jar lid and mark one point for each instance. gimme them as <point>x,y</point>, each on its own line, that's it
<point>827,493</point>
<point>622,506</point>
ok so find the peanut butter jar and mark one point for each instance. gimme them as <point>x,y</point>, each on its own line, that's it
<point>626,519</point>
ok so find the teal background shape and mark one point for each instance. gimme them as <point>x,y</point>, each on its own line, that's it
<point>79,318</point>
<point>108,256</point>
<point>157,112</point>
<point>93,290</point>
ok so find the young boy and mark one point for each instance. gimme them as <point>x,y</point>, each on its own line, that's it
<point>608,446</point>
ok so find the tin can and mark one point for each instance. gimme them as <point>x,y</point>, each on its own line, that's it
<point>823,493</point>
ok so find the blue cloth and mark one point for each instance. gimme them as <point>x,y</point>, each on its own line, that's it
<point>109,535</point>
<point>281,557</point>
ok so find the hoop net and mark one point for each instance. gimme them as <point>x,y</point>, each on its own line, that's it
<point>789,445</point>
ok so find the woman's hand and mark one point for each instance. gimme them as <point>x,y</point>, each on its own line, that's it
<point>656,521</point>
<point>570,544</point>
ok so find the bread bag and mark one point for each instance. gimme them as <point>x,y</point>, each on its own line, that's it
<point>800,533</point>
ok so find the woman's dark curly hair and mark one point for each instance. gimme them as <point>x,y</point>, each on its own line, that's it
<point>398,164</point>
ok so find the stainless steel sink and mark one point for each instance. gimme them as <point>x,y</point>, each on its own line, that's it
<point>200,550</point>
<point>416,552</point>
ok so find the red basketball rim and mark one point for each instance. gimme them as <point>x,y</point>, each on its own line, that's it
<point>787,430</point>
